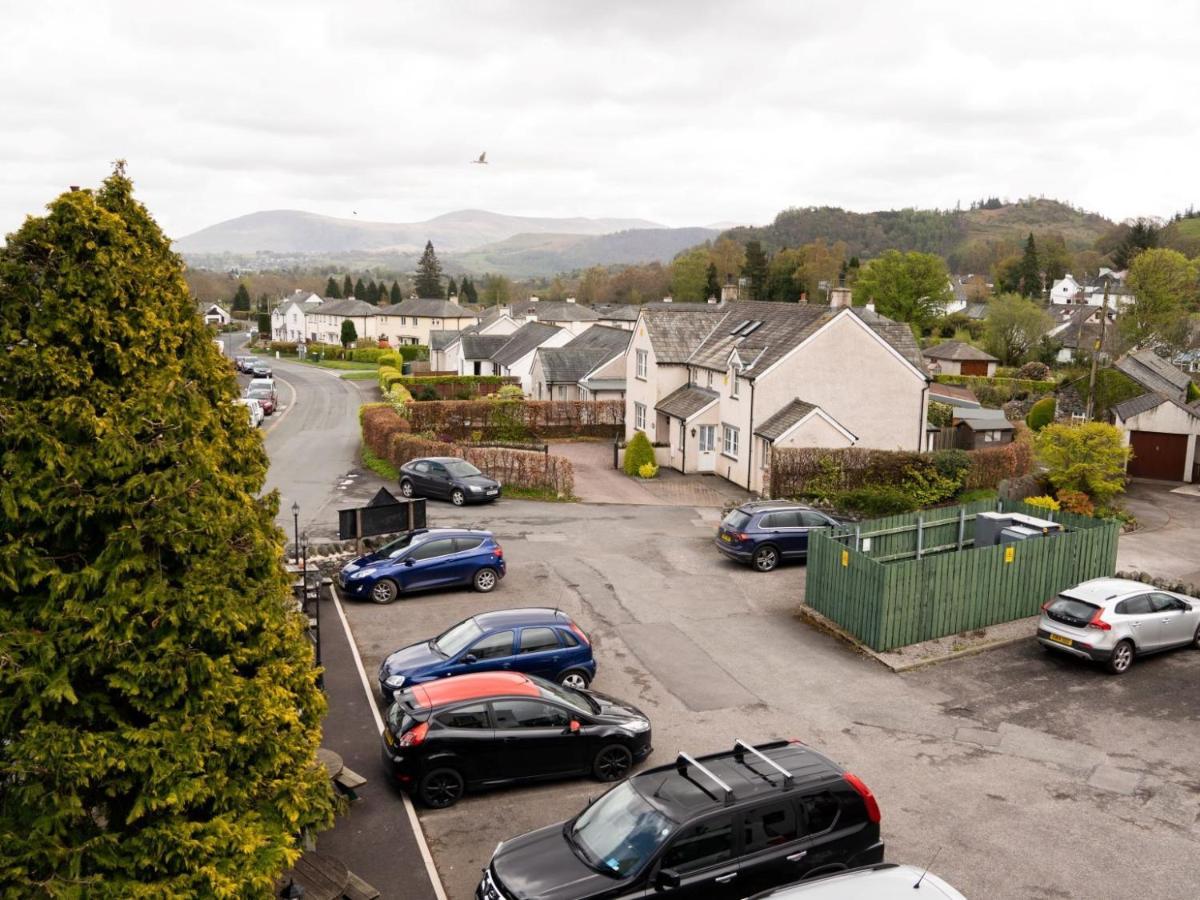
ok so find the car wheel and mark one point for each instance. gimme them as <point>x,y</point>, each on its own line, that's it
<point>385,591</point>
<point>441,788</point>
<point>574,678</point>
<point>612,762</point>
<point>1121,659</point>
<point>457,497</point>
<point>766,558</point>
<point>1196,638</point>
<point>406,488</point>
<point>485,580</point>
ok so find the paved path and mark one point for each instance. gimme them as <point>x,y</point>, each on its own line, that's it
<point>1168,542</point>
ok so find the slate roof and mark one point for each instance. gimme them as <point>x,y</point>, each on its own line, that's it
<point>954,394</point>
<point>525,339</point>
<point>482,346</point>
<point>1127,409</point>
<point>601,337</point>
<point>776,426</point>
<point>1154,373</point>
<point>428,307</point>
<point>958,351</point>
<point>440,340</point>
<point>984,420</point>
<point>553,311</point>
<point>675,335</point>
<point>566,365</point>
<point>686,401</point>
<point>346,307</point>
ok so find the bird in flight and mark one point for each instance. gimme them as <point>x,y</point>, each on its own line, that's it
<point>482,161</point>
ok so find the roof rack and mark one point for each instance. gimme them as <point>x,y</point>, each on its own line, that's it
<point>683,762</point>
<point>741,748</point>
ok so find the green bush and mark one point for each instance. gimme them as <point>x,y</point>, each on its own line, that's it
<point>952,464</point>
<point>287,348</point>
<point>398,393</point>
<point>388,376</point>
<point>426,392</point>
<point>877,500</point>
<point>1042,414</point>
<point>390,358</point>
<point>638,453</point>
<point>649,470</point>
<point>368,354</point>
<point>1044,502</point>
<point>409,352</point>
<point>940,414</point>
<point>1193,391</point>
<point>1088,459</point>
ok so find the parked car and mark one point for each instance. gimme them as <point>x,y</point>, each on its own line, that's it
<point>425,558</point>
<point>537,641</point>
<point>1114,621</point>
<point>260,369</point>
<point>264,397</point>
<point>245,363</point>
<point>449,477</point>
<point>719,827</point>
<point>765,533</point>
<point>267,383</point>
<point>256,410</point>
<point>484,730</point>
<point>882,881</point>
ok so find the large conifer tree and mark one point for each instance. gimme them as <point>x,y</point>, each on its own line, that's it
<point>331,289</point>
<point>394,295</point>
<point>429,273</point>
<point>1030,270</point>
<point>159,712</point>
<point>347,287</point>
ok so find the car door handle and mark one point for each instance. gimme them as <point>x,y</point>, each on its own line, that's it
<point>796,857</point>
<point>725,879</point>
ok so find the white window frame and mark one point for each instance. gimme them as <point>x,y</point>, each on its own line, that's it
<point>641,360</point>
<point>639,417</point>
<point>710,377</point>
<point>708,438</point>
<point>729,441</point>
<point>733,384</point>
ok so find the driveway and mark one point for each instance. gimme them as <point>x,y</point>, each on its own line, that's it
<point>1168,542</point>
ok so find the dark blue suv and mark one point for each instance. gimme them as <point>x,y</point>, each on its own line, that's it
<point>536,641</point>
<point>767,532</point>
<point>422,559</point>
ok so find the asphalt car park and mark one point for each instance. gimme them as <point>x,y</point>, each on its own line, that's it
<point>1029,774</point>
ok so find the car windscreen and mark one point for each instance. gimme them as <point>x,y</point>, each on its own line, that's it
<point>620,832</point>
<point>736,520</point>
<point>392,549</point>
<point>259,394</point>
<point>459,638</point>
<point>570,698</point>
<point>461,469</point>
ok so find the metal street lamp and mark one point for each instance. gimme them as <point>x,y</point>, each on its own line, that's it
<point>296,528</point>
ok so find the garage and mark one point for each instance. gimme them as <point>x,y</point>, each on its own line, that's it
<point>1158,455</point>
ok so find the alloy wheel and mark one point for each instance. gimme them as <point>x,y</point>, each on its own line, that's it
<point>406,488</point>
<point>441,789</point>
<point>574,680</point>
<point>613,762</point>
<point>485,580</point>
<point>384,591</point>
<point>766,559</point>
<point>1122,657</point>
<point>457,498</point>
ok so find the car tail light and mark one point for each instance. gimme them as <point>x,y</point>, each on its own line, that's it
<point>579,631</point>
<point>741,536</point>
<point>414,736</point>
<point>1046,605</point>
<point>498,552</point>
<point>868,798</point>
<point>1097,622</point>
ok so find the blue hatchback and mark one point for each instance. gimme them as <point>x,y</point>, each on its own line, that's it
<point>767,532</point>
<point>422,559</point>
<point>542,642</point>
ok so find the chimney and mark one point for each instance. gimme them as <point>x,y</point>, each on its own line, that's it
<point>570,299</point>
<point>870,305</point>
<point>454,299</point>
<point>729,291</point>
<point>840,296</point>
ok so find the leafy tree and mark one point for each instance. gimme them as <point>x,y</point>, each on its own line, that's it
<point>159,711</point>
<point>372,294</point>
<point>347,287</point>
<point>784,276</point>
<point>593,287</point>
<point>755,268</point>
<point>349,332</point>
<point>1029,272</point>
<point>360,290</point>
<point>1007,274</point>
<point>825,262</point>
<point>1164,285</point>
<point>689,272</point>
<point>729,257</point>
<point>394,295</point>
<point>429,273</point>
<point>1088,457</point>
<point>241,299</point>
<point>712,286</point>
<point>1053,257</point>
<point>496,290</point>
<point>1013,327</point>
<point>331,289</point>
<point>451,289</point>
<point>908,287</point>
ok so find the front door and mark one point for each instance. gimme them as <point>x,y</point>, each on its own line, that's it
<point>534,738</point>
<point>706,447</point>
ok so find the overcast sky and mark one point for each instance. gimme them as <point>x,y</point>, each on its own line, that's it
<point>685,113</point>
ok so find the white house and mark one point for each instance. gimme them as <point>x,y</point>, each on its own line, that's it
<point>445,348</point>
<point>725,387</point>
<point>414,320</point>
<point>217,315</point>
<point>558,372</point>
<point>289,318</point>
<point>324,324</point>
<point>1066,290</point>
<point>515,356</point>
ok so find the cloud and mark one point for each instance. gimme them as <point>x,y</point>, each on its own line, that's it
<point>679,112</point>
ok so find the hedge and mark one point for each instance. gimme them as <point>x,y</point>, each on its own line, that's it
<point>517,420</point>
<point>453,387</point>
<point>992,465</point>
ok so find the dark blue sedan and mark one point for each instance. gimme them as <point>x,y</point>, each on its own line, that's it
<point>542,642</point>
<point>765,533</point>
<point>423,559</point>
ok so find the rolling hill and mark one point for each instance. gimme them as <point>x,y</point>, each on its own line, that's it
<point>550,254</point>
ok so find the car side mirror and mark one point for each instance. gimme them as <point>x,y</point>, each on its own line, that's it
<point>667,880</point>
<point>469,658</point>
<point>574,727</point>
<point>408,561</point>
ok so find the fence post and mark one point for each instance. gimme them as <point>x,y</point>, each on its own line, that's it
<point>920,534</point>
<point>962,525</point>
<point>857,537</point>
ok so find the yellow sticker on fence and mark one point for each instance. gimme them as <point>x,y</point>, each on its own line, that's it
<point>845,557</point>
<point>1009,552</point>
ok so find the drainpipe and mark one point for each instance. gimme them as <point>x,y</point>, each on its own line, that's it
<point>750,440</point>
<point>683,446</point>
<point>922,437</point>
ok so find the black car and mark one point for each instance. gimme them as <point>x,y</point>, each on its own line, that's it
<point>448,477</point>
<point>260,370</point>
<point>765,533</point>
<point>719,827</point>
<point>475,731</point>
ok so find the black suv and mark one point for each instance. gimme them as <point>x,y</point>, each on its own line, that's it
<point>721,826</point>
<point>766,532</point>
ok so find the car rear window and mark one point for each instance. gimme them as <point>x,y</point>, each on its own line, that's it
<point>737,520</point>
<point>1071,611</point>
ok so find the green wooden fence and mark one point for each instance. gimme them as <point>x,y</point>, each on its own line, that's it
<point>904,579</point>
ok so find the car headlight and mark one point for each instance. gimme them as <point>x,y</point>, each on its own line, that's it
<point>476,489</point>
<point>637,726</point>
<point>361,573</point>
<point>394,681</point>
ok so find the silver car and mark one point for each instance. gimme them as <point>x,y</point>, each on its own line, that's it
<point>882,881</point>
<point>1113,621</point>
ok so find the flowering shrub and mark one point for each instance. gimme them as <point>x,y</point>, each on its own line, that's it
<point>1076,502</point>
<point>1045,502</point>
<point>647,470</point>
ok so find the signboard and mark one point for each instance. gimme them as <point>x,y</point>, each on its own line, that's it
<point>385,514</point>
<point>846,558</point>
<point>1009,553</point>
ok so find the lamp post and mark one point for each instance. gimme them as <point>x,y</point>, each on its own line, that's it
<point>296,528</point>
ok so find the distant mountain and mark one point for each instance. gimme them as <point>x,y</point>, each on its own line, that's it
<point>296,232</point>
<point>946,232</point>
<point>550,254</point>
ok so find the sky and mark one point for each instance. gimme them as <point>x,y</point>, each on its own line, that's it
<point>683,113</point>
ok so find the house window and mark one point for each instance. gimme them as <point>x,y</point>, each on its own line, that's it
<point>641,364</point>
<point>729,437</point>
<point>710,377</point>
<point>708,438</point>
<point>991,437</point>
<point>733,388</point>
<point>639,416</point>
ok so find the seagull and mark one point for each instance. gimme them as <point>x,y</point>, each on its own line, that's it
<point>482,161</point>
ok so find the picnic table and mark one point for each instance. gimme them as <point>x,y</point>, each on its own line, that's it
<point>345,780</point>
<point>322,878</point>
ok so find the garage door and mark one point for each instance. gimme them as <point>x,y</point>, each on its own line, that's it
<point>1157,455</point>
<point>974,367</point>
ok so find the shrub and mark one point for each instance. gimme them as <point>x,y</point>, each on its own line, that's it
<point>519,420</point>
<point>976,495</point>
<point>1089,458</point>
<point>1193,392</point>
<point>992,465</point>
<point>925,486</point>
<point>1042,414</point>
<point>1045,502</point>
<point>426,392</point>
<point>399,394</point>
<point>1034,371</point>
<point>877,500</point>
<point>369,354</point>
<point>390,358</point>
<point>287,348</point>
<point>1075,502</point>
<point>380,422</point>
<point>409,352</point>
<point>638,453</point>
<point>952,464</point>
<point>509,392</point>
<point>387,377</point>
<point>649,470</point>
<point>940,414</point>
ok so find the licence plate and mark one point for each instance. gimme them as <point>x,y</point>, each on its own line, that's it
<point>492,493</point>
<point>726,538</point>
<point>1067,642</point>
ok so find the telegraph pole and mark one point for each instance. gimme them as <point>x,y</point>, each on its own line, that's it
<point>1091,404</point>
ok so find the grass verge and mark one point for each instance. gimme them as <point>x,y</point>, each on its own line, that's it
<point>380,467</point>
<point>518,493</point>
<point>353,375</point>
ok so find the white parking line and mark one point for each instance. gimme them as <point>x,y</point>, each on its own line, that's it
<point>430,868</point>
